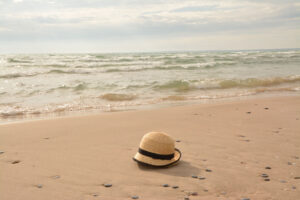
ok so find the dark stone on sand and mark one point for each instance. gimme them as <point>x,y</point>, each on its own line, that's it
<point>15,161</point>
<point>194,176</point>
<point>247,140</point>
<point>297,177</point>
<point>46,138</point>
<point>202,178</point>
<point>178,140</point>
<point>289,163</point>
<point>186,198</point>
<point>245,199</point>
<point>165,185</point>
<point>194,193</point>
<point>205,190</point>
<point>208,170</point>
<point>265,175</point>
<point>95,195</point>
<point>248,112</point>
<point>107,185</point>
<point>266,108</point>
<point>294,187</point>
<point>296,157</point>
<point>1,152</point>
<point>135,197</point>
<point>268,167</point>
<point>266,179</point>
<point>39,186</point>
<point>175,187</point>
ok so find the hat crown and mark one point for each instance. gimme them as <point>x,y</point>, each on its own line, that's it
<point>158,142</point>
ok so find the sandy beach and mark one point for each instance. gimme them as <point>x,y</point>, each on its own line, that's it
<point>227,145</point>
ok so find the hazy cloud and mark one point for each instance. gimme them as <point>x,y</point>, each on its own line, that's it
<point>103,21</point>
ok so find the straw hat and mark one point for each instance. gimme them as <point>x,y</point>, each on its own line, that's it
<point>157,149</point>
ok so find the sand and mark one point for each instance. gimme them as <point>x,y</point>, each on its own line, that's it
<point>72,157</point>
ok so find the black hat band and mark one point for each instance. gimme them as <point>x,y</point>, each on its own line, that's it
<point>155,155</point>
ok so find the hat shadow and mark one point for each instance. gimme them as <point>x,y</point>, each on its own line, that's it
<point>182,169</point>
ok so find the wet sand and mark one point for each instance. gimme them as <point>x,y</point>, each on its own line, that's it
<point>239,149</point>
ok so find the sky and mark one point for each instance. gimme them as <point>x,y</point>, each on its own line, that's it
<point>96,26</point>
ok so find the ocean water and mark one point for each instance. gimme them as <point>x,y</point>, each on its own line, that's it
<point>37,85</point>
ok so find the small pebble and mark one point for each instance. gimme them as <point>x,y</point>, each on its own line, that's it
<point>39,186</point>
<point>282,181</point>
<point>245,199</point>
<point>294,188</point>
<point>205,190</point>
<point>201,178</point>
<point>135,197</point>
<point>56,176</point>
<point>247,140</point>
<point>178,140</point>
<point>266,108</point>
<point>289,163</point>
<point>208,170</point>
<point>165,185</point>
<point>46,138</point>
<point>15,161</point>
<point>265,175</point>
<point>175,187</point>
<point>107,185</point>
<point>248,112</point>
<point>194,176</point>
<point>1,152</point>
<point>186,198</point>
<point>266,179</point>
<point>95,195</point>
<point>194,193</point>
<point>296,157</point>
<point>268,167</point>
<point>297,177</point>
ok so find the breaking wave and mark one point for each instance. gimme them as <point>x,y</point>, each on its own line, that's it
<point>178,86</point>
<point>174,98</point>
<point>16,75</point>
<point>118,97</point>
<point>58,71</point>
<point>255,82</point>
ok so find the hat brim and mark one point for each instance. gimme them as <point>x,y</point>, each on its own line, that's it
<point>146,160</point>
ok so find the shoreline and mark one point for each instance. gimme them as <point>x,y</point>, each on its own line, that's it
<point>226,142</point>
<point>155,106</point>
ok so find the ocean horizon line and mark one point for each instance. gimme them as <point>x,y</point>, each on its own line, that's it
<point>154,52</point>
